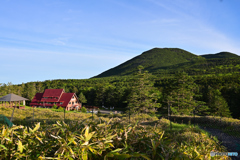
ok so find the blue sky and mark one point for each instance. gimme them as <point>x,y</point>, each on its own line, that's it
<point>78,39</point>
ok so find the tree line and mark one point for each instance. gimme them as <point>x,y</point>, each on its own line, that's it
<point>147,93</point>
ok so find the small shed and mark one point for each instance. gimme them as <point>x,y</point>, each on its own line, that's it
<point>13,98</point>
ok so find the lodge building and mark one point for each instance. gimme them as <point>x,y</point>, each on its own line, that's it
<point>69,101</point>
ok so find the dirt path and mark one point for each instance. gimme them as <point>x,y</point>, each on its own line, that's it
<point>230,142</point>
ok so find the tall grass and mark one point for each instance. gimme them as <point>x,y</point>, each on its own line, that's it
<point>103,137</point>
<point>228,125</point>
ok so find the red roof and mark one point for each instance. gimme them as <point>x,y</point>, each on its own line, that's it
<point>37,98</point>
<point>49,100</point>
<point>66,97</point>
<point>53,92</point>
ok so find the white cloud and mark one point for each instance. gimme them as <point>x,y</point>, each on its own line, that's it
<point>190,29</point>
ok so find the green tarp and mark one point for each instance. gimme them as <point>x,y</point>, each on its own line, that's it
<point>5,120</point>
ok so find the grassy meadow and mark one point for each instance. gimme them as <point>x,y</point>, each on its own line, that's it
<point>111,136</point>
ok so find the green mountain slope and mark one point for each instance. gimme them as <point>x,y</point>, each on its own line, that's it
<point>153,60</point>
<point>220,55</point>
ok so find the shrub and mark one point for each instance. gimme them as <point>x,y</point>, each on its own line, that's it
<point>54,106</point>
<point>84,110</point>
<point>61,109</point>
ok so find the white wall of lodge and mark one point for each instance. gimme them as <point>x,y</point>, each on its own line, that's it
<point>73,102</point>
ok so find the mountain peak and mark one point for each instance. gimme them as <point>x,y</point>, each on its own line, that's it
<point>153,59</point>
<point>220,55</point>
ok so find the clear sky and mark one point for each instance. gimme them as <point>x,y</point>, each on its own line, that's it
<point>78,39</point>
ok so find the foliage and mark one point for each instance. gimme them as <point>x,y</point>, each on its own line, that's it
<point>143,99</point>
<point>152,60</point>
<point>182,97</point>
<point>217,73</point>
<point>61,109</point>
<point>212,121</point>
<point>83,110</point>
<point>54,106</point>
<point>82,98</point>
<point>220,55</point>
<point>218,105</point>
<point>105,140</point>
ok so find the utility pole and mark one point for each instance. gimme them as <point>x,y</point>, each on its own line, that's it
<point>92,112</point>
<point>64,114</point>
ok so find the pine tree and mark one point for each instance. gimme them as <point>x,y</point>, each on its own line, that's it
<point>82,98</point>
<point>182,97</point>
<point>218,105</point>
<point>100,91</point>
<point>31,87</point>
<point>143,98</point>
<point>23,91</point>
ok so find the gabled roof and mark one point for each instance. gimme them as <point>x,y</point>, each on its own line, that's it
<point>12,97</point>
<point>36,98</point>
<point>62,97</point>
<point>66,97</point>
<point>53,92</point>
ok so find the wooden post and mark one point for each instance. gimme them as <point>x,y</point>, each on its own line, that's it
<point>64,114</point>
<point>92,112</point>
<point>33,113</point>
<point>12,114</point>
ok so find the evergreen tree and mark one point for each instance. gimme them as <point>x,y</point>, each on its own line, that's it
<point>82,98</point>
<point>218,105</point>
<point>74,89</point>
<point>31,87</point>
<point>3,90</point>
<point>100,90</point>
<point>143,98</point>
<point>23,92</point>
<point>10,88</point>
<point>182,97</point>
<point>39,87</point>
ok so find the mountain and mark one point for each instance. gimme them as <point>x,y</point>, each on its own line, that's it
<point>152,60</point>
<point>168,61</point>
<point>220,55</point>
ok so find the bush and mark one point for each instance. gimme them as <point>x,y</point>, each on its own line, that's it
<point>83,110</point>
<point>61,109</point>
<point>54,106</point>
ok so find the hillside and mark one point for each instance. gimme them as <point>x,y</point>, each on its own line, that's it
<point>220,55</point>
<point>152,60</point>
<point>168,61</point>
